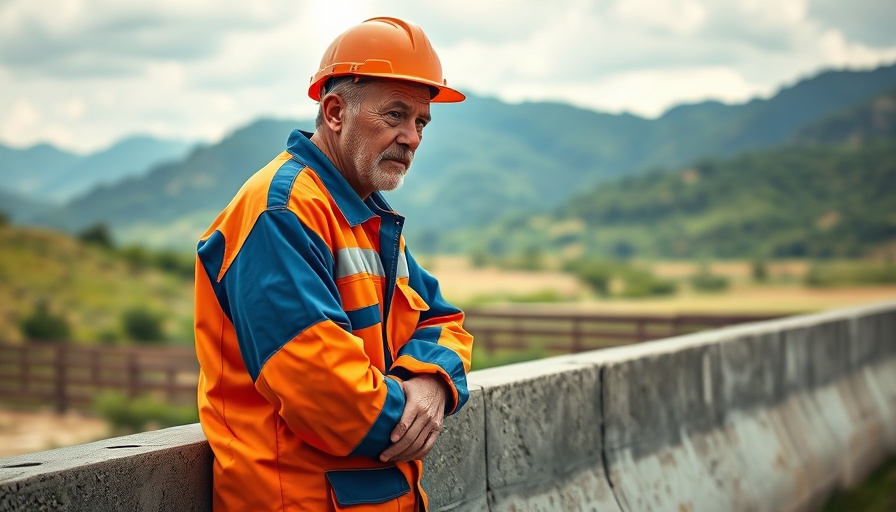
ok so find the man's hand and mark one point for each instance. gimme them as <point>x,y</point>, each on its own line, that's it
<point>421,421</point>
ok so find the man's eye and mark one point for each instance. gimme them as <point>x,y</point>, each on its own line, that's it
<point>394,114</point>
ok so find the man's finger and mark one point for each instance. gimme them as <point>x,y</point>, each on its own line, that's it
<point>428,444</point>
<point>401,445</point>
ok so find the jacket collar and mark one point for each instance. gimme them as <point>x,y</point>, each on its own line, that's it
<point>347,200</point>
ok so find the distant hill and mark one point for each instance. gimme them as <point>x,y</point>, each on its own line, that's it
<point>45,173</point>
<point>817,201</point>
<point>481,159</point>
<point>91,287</point>
<point>21,209</point>
<point>872,120</point>
<point>173,204</point>
<point>26,171</point>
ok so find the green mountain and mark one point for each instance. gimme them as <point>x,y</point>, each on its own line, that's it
<point>16,208</point>
<point>45,173</point>
<point>482,159</point>
<point>26,171</point>
<point>800,201</point>
<point>872,120</point>
<point>176,201</point>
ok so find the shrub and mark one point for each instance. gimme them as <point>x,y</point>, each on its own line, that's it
<point>137,257</point>
<point>850,273</point>
<point>479,258</point>
<point>175,263</point>
<point>142,325</point>
<point>126,415</point>
<point>43,325</point>
<point>706,282</point>
<point>98,235</point>
<point>642,283</point>
<point>532,259</point>
<point>597,274</point>
<point>759,270</point>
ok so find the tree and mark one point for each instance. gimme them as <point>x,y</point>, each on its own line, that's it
<point>759,270</point>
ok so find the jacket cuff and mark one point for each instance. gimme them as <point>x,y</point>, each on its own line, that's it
<point>423,355</point>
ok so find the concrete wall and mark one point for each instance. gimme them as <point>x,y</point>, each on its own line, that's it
<point>768,416</point>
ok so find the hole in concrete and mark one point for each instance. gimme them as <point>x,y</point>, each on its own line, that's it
<point>22,465</point>
<point>123,446</point>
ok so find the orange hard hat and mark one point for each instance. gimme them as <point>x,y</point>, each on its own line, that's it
<point>385,48</point>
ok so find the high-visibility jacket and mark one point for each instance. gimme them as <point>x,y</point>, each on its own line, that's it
<point>310,311</point>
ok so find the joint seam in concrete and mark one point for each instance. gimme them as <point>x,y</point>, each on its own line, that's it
<point>488,480</point>
<point>603,436</point>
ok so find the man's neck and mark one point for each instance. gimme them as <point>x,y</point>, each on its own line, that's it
<point>327,146</point>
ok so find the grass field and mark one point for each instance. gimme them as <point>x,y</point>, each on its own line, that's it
<point>783,291</point>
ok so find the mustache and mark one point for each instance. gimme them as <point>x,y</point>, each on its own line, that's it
<point>404,156</point>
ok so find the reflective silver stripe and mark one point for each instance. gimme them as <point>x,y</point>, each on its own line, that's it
<point>353,260</point>
<point>402,266</point>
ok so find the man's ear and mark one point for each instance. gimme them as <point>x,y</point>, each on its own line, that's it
<point>332,107</point>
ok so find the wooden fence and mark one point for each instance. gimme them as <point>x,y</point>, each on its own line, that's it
<point>70,376</point>
<point>553,333</point>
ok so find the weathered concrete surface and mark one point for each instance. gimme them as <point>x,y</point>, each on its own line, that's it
<point>454,473</point>
<point>874,350</point>
<point>843,404</point>
<point>543,437</point>
<point>771,416</point>
<point>665,444</point>
<point>771,461</point>
<point>166,470</point>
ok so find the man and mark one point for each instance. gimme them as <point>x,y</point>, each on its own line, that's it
<point>328,355</point>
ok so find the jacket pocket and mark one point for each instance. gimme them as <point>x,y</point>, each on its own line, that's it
<point>414,300</point>
<point>355,487</point>
<point>407,305</point>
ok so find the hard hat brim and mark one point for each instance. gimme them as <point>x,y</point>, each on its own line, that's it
<point>445,94</point>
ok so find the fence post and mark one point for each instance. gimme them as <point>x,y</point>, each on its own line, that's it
<point>25,366</point>
<point>60,383</point>
<point>576,335</point>
<point>133,374</point>
<point>171,374</point>
<point>676,326</point>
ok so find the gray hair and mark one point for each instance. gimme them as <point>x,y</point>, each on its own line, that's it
<point>349,88</point>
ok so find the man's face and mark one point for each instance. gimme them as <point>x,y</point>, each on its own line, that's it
<point>379,141</point>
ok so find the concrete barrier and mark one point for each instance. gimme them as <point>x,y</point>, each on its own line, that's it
<point>543,437</point>
<point>166,470</point>
<point>767,416</point>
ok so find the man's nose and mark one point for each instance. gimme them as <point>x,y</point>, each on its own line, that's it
<point>409,136</point>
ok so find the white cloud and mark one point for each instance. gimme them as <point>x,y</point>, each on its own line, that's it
<point>678,17</point>
<point>647,92</point>
<point>72,109</point>
<point>86,72</point>
<point>22,115</point>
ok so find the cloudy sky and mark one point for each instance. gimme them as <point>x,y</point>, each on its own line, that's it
<point>81,74</point>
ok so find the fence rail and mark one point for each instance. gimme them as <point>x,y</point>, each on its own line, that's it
<point>68,376</point>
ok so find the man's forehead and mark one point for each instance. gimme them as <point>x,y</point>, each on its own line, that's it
<point>410,93</point>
